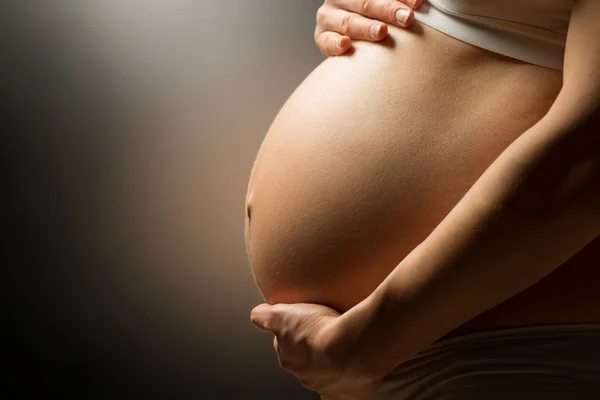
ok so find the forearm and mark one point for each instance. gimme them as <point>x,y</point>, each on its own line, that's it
<point>535,207</point>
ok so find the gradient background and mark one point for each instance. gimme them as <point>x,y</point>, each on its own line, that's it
<point>130,131</point>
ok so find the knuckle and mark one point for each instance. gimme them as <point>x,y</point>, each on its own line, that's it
<point>307,383</point>
<point>297,341</point>
<point>283,333</point>
<point>321,15</point>
<point>323,48</point>
<point>345,23</point>
<point>390,10</point>
<point>312,384</point>
<point>268,317</point>
<point>286,364</point>
<point>365,6</point>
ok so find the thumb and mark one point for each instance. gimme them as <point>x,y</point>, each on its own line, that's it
<point>266,318</point>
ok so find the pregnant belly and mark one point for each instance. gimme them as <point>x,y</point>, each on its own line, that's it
<point>371,152</point>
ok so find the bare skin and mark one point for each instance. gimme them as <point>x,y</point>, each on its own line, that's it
<point>373,150</point>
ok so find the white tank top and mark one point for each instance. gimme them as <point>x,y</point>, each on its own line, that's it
<point>534,31</point>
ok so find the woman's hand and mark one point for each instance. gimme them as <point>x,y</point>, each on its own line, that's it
<point>312,344</point>
<point>340,21</point>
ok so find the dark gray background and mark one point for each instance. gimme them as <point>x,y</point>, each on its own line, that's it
<point>130,128</point>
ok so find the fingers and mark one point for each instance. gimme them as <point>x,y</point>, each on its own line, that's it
<point>336,28</point>
<point>266,318</point>
<point>332,43</point>
<point>340,21</point>
<point>392,11</point>
<point>350,24</point>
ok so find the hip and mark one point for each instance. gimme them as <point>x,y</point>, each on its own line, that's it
<point>554,361</point>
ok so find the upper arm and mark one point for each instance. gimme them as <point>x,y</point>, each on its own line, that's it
<point>580,96</point>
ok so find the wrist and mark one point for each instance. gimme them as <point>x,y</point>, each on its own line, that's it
<point>384,324</point>
<point>366,338</point>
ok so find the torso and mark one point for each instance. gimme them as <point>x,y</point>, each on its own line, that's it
<point>373,150</point>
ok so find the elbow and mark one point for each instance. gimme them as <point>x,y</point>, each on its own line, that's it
<point>568,172</point>
<point>578,156</point>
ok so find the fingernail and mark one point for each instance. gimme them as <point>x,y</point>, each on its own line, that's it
<point>374,31</point>
<point>402,16</point>
<point>413,3</point>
